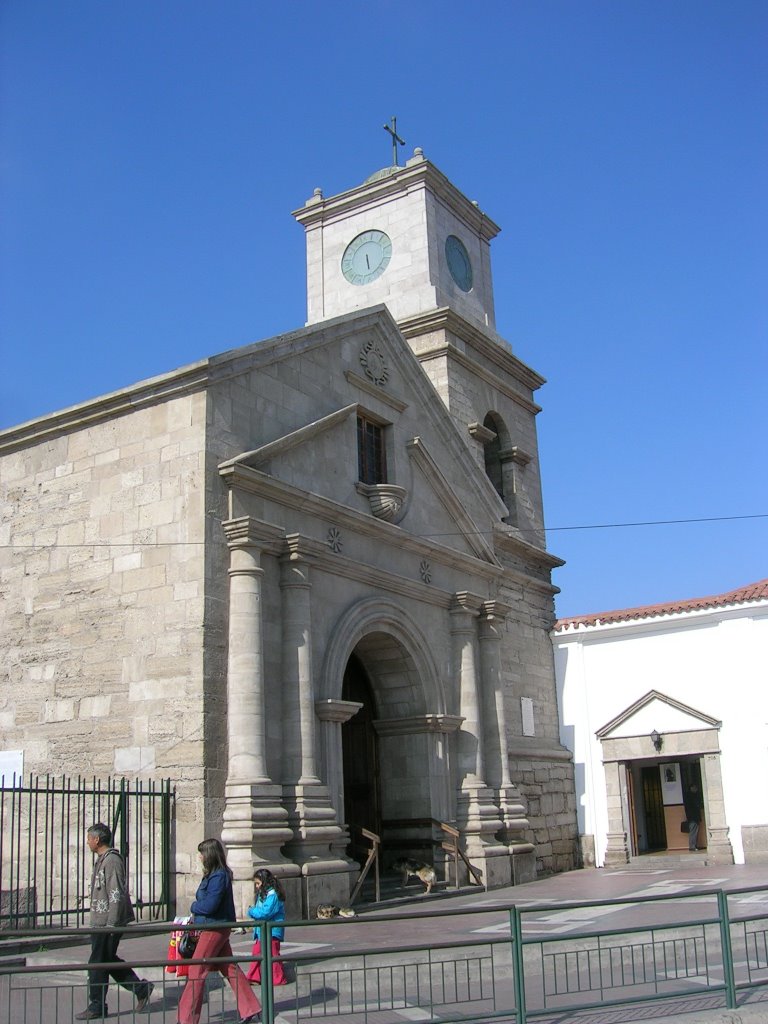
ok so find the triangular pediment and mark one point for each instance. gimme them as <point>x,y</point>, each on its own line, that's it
<point>437,488</point>
<point>656,711</point>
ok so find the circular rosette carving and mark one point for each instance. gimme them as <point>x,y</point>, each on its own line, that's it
<point>373,362</point>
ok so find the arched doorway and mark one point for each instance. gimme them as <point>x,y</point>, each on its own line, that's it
<point>360,755</point>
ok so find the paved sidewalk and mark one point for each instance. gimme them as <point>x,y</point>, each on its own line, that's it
<point>654,878</point>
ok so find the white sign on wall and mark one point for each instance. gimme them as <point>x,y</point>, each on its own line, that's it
<point>526,708</point>
<point>671,783</point>
<point>11,762</point>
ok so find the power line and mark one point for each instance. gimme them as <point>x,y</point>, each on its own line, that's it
<point>658,522</point>
<point>451,533</point>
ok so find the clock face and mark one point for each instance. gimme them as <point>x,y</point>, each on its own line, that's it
<point>458,262</point>
<point>366,257</point>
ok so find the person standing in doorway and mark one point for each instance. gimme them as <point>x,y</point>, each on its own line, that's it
<point>110,908</point>
<point>693,804</point>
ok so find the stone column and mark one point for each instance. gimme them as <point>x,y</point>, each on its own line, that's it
<point>719,849</point>
<point>310,811</point>
<point>477,815</point>
<point>333,714</point>
<point>616,850</point>
<point>255,823</point>
<point>507,796</point>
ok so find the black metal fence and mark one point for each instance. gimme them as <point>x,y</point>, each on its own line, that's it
<point>45,865</point>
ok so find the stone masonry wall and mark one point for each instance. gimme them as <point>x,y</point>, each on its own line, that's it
<point>548,790</point>
<point>102,588</point>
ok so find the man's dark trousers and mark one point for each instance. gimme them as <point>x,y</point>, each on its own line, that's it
<point>104,951</point>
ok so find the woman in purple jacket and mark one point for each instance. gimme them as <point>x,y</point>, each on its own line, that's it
<point>214,904</point>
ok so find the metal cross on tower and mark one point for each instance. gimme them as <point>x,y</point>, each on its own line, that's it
<point>392,129</point>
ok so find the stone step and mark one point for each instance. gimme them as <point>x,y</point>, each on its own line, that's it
<point>672,861</point>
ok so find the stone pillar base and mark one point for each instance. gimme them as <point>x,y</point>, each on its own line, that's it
<point>523,862</point>
<point>492,861</point>
<point>255,826</point>
<point>479,822</point>
<point>327,881</point>
<point>719,849</point>
<point>513,815</point>
<point>312,819</point>
<point>617,851</point>
<point>477,814</point>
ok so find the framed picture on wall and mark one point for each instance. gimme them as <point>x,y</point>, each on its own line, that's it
<point>671,786</point>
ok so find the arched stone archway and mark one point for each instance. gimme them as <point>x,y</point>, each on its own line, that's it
<point>376,617</point>
<point>411,730</point>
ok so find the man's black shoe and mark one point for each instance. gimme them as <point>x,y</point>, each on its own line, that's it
<point>141,1004</point>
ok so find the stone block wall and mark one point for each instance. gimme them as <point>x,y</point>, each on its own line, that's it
<point>102,584</point>
<point>548,790</point>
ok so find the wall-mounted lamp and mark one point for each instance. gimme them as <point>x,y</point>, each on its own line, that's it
<point>657,740</point>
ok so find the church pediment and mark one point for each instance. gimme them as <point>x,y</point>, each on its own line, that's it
<point>431,486</point>
<point>656,711</point>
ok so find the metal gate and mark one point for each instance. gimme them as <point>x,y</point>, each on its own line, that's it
<point>45,865</point>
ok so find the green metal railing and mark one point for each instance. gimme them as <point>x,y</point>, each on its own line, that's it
<point>488,963</point>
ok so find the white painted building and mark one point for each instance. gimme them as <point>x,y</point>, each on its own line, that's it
<point>654,698</point>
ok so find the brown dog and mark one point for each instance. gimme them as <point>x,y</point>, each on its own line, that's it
<point>423,872</point>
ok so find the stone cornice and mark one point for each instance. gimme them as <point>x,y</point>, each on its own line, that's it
<point>495,609</point>
<point>284,444</point>
<point>490,345</point>
<point>370,389</point>
<point>417,724</point>
<point>515,454</point>
<point>481,433</point>
<point>187,380</point>
<point>506,538</point>
<point>331,710</point>
<point>417,174</point>
<point>537,750</point>
<point>464,601</point>
<point>244,478</point>
<point>245,531</point>
<point>445,494</point>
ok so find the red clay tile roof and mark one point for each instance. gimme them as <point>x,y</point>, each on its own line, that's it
<point>751,592</point>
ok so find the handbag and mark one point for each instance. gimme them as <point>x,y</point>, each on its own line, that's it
<point>685,826</point>
<point>187,944</point>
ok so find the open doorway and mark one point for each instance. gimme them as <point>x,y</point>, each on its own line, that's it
<point>659,792</point>
<point>362,795</point>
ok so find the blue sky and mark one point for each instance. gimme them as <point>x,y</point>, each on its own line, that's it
<point>152,153</point>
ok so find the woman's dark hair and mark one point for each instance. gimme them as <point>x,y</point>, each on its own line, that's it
<point>214,856</point>
<point>268,881</point>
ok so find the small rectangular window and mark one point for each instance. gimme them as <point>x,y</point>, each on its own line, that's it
<point>371,454</point>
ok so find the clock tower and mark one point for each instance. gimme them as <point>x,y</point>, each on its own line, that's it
<point>406,237</point>
<point>409,239</point>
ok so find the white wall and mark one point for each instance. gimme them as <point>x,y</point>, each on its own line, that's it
<point>713,661</point>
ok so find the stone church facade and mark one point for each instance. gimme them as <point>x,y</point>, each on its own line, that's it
<point>307,578</point>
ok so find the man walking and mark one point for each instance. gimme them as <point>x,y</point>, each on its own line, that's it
<point>110,907</point>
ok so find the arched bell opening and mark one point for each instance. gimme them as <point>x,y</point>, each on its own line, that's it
<point>499,468</point>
